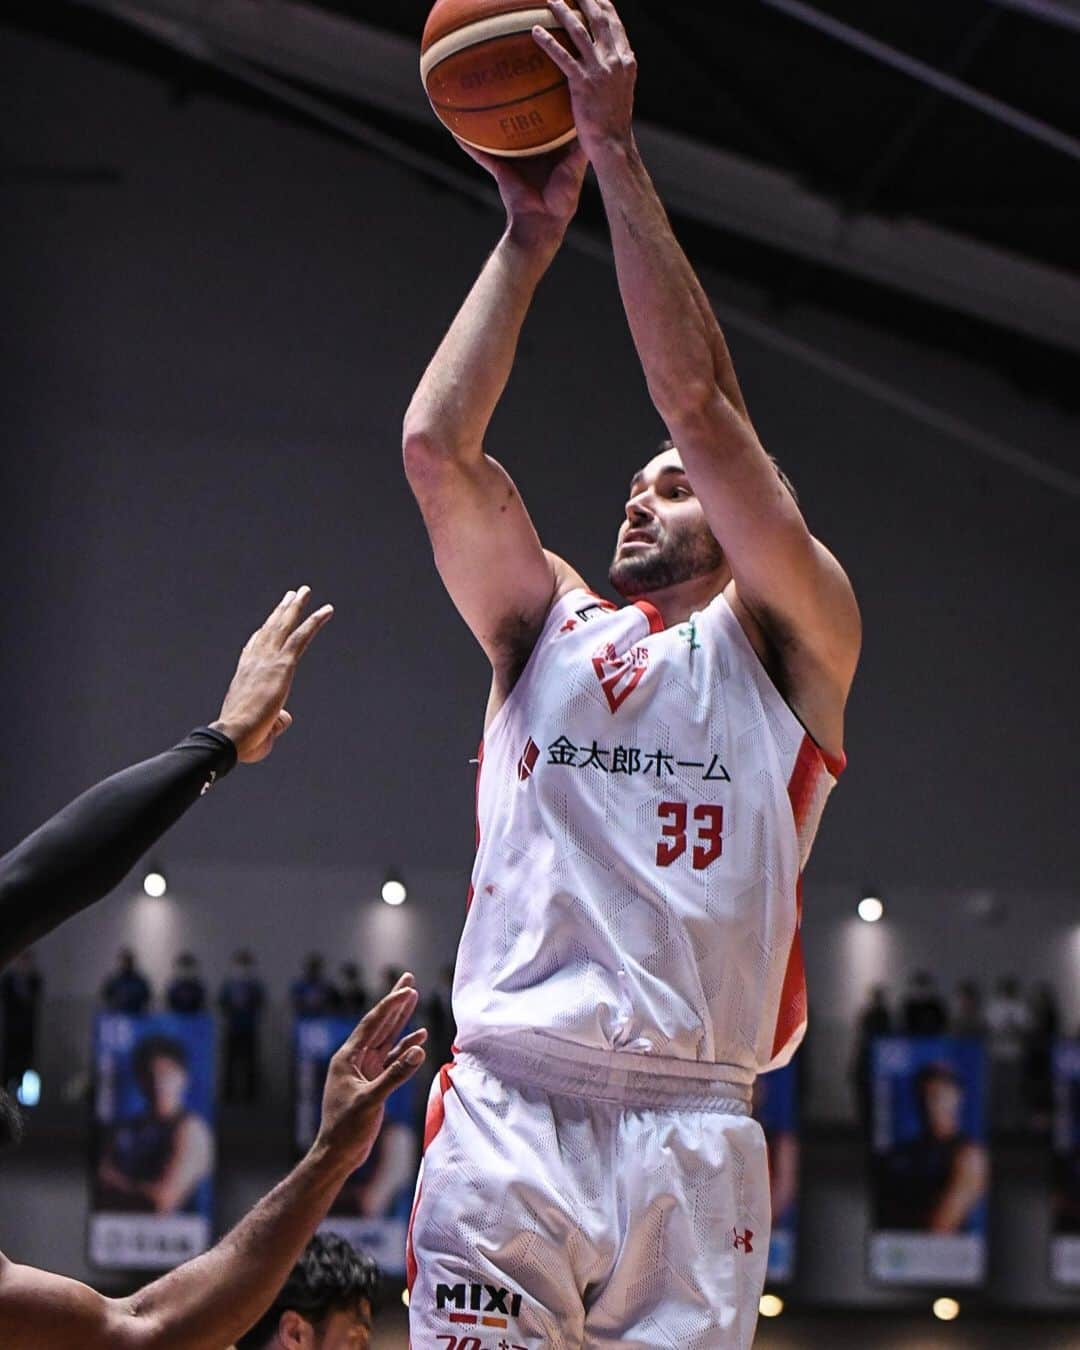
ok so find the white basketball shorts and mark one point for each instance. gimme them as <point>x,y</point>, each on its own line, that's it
<point>590,1217</point>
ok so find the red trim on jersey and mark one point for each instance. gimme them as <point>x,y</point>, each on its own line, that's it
<point>607,604</point>
<point>792,1011</point>
<point>803,781</point>
<point>836,764</point>
<point>656,622</point>
<point>433,1123</point>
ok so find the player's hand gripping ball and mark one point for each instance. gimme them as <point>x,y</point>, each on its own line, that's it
<point>490,83</point>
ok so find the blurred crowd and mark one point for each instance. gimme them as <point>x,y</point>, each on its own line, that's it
<point>1018,1025</point>
<point>241,1001</point>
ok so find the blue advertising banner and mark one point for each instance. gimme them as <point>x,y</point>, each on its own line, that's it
<point>153,1153</point>
<point>1065,1227</point>
<point>930,1162</point>
<point>372,1210</point>
<point>776,1108</point>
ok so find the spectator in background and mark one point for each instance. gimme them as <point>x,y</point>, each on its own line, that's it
<point>20,997</point>
<point>312,995</point>
<point>967,1010</point>
<point>352,995</point>
<point>1038,1060</point>
<point>1008,1022</point>
<point>126,990</point>
<point>874,1020</point>
<point>241,1002</point>
<point>328,1302</point>
<point>187,991</point>
<point>924,1009</point>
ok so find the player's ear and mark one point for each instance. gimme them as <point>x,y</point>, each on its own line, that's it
<point>294,1332</point>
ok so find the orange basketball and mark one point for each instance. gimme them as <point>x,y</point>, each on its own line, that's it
<point>489,82</point>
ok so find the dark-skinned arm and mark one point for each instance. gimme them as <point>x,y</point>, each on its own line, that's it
<point>78,856</point>
<point>208,1302</point>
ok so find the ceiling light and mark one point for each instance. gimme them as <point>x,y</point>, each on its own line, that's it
<point>154,884</point>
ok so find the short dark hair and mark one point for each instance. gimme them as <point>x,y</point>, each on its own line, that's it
<point>156,1047</point>
<point>668,444</point>
<point>330,1276</point>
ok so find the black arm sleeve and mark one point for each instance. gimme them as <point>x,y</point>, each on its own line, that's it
<point>82,852</point>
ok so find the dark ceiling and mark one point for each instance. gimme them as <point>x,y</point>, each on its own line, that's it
<point>756,81</point>
<point>745,77</point>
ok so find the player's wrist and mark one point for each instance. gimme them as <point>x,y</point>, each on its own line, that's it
<point>537,235</point>
<point>329,1162</point>
<point>613,151</point>
<point>231,729</point>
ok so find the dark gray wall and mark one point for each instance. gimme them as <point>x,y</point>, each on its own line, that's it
<point>205,366</point>
<point>205,370</point>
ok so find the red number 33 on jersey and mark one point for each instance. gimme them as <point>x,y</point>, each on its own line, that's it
<point>708,836</point>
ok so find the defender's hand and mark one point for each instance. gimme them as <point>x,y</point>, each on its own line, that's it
<point>364,1072</point>
<point>253,715</point>
<point>601,74</point>
<point>540,193</point>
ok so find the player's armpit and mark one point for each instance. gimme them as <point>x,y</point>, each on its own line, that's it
<point>488,553</point>
<point>42,1311</point>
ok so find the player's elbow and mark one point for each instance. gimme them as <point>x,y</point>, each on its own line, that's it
<point>420,451</point>
<point>687,406</point>
<point>428,457</point>
<point>132,1325</point>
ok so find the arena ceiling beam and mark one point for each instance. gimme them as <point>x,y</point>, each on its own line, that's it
<point>939,80</point>
<point>280,40</point>
<point>1065,13</point>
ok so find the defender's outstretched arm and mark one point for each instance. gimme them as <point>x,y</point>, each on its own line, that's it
<point>87,848</point>
<point>208,1302</point>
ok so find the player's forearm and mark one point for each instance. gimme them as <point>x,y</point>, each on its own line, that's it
<point>210,1301</point>
<point>461,388</point>
<point>678,339</point>
<point>87,848</point>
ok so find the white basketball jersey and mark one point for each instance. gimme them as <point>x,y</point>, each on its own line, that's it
<point>646,804</point>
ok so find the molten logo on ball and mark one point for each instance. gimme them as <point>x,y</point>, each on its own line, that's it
<point>502,71</point>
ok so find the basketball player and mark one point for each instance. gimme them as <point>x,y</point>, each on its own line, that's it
<point>651,780</point>
<point>73,860</point>
<point>327,1303</point>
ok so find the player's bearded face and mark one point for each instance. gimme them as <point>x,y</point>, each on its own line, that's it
<point>10,1121</point>
<point>664,550</point>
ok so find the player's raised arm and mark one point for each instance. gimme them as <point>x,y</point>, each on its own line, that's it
<point>790,584</point>
<point>87,848</point>
<point>486,547</point>
<point>208,1302</point>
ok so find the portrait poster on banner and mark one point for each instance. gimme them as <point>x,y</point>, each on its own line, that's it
<point>373,1207</point>
<point>776,1108</point>
<point>152,1154</point>
<point>930,1161</point>
<point>1065,1225</point>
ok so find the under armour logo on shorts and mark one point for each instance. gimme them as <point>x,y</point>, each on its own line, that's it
<point>743,1241</point>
